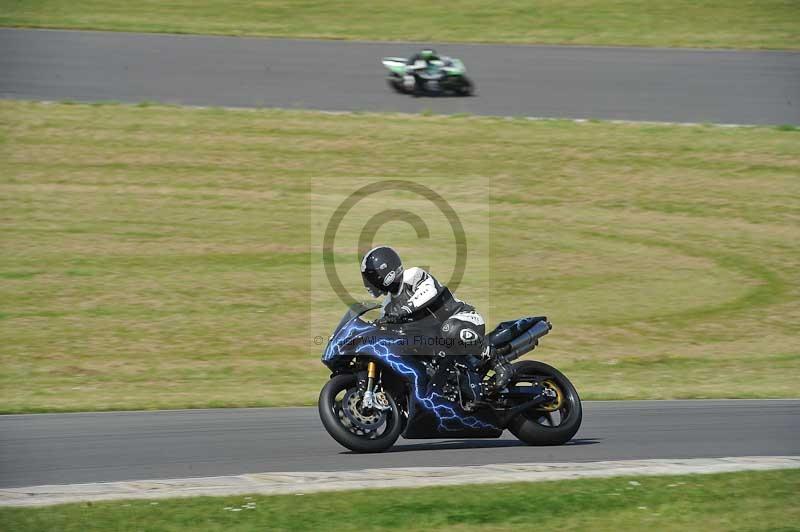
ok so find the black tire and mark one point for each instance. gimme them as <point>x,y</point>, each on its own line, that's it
<point>396,85</point>
<point>466,88</point>
<point>359,443</point>
<point>526,425</point>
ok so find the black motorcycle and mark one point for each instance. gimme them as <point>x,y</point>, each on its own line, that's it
<point>392,380</point>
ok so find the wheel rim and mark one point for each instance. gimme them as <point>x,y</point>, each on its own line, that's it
<point>366,419</point>
<point>367,424</point>
<point>559,402</point>
<point>549,415</point>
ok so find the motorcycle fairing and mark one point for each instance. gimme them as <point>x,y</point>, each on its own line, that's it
<point>429,413</point>
<point>395,64</point>
<point>449,65</point>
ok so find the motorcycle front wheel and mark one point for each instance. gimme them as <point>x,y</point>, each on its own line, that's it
<point>466,87</point>
<point>553,423</point>
<point>356,428</point>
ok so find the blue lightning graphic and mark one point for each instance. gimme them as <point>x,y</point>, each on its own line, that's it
<point>381,348</point>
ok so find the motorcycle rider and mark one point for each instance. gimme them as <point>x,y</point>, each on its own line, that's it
<point>414,294</point>
<point>420,61</point>
<point>426,54</point>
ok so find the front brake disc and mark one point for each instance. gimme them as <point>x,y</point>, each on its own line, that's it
<point>369,419</point>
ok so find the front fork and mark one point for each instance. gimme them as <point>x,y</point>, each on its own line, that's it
<point>371,399</point>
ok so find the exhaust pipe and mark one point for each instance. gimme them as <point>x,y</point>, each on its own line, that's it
<point>524,342</point>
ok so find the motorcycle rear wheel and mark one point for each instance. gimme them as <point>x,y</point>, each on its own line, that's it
<point>341,428</point>
<point>537,425</point>
<point>396,84</point>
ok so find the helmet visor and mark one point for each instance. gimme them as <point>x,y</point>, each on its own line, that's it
<point>373,289</point>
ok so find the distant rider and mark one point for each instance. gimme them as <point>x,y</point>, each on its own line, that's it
<point>413,294</point>
<point>420,61</point>
<point>425,55</point>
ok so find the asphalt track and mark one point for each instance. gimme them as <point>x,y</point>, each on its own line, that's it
<point>742,87</point>
<point>96,447</point>
<point>608,83</point>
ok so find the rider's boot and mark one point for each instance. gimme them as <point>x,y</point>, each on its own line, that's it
<point>503,371</point>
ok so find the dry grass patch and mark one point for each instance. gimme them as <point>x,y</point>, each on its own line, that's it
<point>707,24</point>
<point>162,257</point>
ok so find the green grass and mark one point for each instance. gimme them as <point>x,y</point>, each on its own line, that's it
<point>731,501</point>
<point>162,257</point>
<point>684,23</point>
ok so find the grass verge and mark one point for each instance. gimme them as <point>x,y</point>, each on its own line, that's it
<point>730,501</point>
<point>161,257</point>
<point>684,23</point>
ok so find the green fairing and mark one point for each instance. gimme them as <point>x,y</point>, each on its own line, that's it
<point>455,69</point>
<point>398,66</point>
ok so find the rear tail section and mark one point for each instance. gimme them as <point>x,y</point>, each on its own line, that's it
<point>395,65</point>
<point>525,342</point>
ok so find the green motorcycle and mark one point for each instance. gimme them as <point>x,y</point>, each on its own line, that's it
<point>446,75</point>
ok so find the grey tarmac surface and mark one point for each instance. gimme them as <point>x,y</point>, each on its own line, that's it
<point>97,447</point>
<point>742,87</point>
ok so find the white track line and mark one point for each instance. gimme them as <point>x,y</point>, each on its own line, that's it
<point>403,477</point>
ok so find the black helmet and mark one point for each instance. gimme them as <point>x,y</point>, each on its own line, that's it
<point>381,268</point>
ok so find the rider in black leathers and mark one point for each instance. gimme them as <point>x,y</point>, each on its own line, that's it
<point>414,294</point>
<point>424,57</point>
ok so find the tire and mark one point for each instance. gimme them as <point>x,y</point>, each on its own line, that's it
<point>466,88</point>
<point>396,85</point>
<point>525,425</point>
<point>333,424</point>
